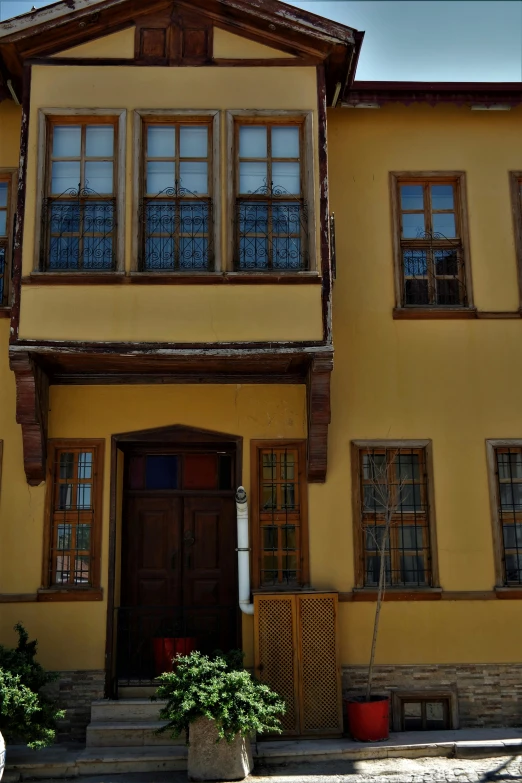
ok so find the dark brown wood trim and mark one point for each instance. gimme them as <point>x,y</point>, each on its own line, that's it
<point>20,207</point>
<point>433,314</point>
<point>18,598</point>
<point>32,405</point>
<point>122,349</point>
<point>113,525</point>
<point>142,378</point>
<point>509,593</point>
<point>324,208</point>
<point>469,595</point>
<point>435,594</point>
<point>5,312</point>
<point>267,63</point>
<point>81,61</point>
<point>499,314</point>
<point>515,182</point>
<point>139,278</point>
<point>61,596</point>
<point>319,417</point>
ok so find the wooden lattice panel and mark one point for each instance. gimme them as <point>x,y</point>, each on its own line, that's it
<point>276,652</point>
<point>319,681</point>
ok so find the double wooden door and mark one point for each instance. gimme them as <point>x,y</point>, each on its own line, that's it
<point>179,574</point>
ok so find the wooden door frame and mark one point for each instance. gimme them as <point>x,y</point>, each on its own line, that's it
<point>175,436</point>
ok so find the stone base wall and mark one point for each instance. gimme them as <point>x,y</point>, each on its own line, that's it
<point>74,692</point>
<point>488,694</point>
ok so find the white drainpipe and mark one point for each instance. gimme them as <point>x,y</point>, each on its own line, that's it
<point>243,552</point>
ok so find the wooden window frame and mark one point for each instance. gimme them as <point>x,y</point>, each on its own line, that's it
<point>9,175</point>
<point>515,186</point>
<point>210,117</point>
<point>256,447</point>
<point>48,117</point>
<point>235,118</point>
<point>458,178</point>
<point>496,525</point>
<point>398,697</point>
<point>356,447</point>
<point>98,448</point>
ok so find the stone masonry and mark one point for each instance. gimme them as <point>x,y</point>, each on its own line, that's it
<point>488,695</point>
<point>74,692</point>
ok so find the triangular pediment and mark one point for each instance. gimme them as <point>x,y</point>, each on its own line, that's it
<point>229,46</point>
<point>115,46</point>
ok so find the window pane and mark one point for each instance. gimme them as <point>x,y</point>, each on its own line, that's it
<point>269,496</point>
<point>410,537</point>
<point>98,176</point>
<point>412,716</point>
<point>3,222</point>
<point>269,571</point>
<point>509,465</point>
<point>270,538</point>
<point>84,496</point>
<point>412,570</point>
<point>511,497</point>
<point>194,176</point>
<point>160,176</point>
<point>289,568</point>
<point>64,537</point>
<point>252,177</point>
<point>416,292</point>
<point>285,142</point>
<point>446,262</point>
<point>375,537</point>
<point>252,142</point>
<point>410,496</point>
<point>85,465</point>
<point>81,570</point>
<point>99,141</point>
<point>415,263</point>
<point>66,465</point>
<point>269,466</point>
<point>375,497</point>
<point>65,176</point>
<point>412,226</point>
<point>288,493</point>
<point>4,190</point>
<point>193,141</point>
<point>435,718</point>
<point>407,467</point>
<point>63,564</point>
<point>286,175</point>
<point>412,197</point>
<point>65,498</point>
<point>445,225</point>
<point>374,466</point>
<point>289,537</point>
<point>161,472</point>
<point>161,141</point>
<point>83,537</point>
<point>287,466</point>
<point>514,568</point>
<point>442,197</point>
<point>67,141</point>
<point>373,564</point>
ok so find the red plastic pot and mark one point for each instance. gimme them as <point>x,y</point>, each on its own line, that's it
<point>369,721</point>
<point>166,649</point>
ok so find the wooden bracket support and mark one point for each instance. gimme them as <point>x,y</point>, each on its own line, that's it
<point>319,417</point>
<point>32,405</point>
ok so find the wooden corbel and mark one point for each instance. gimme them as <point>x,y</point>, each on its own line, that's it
<point>32,405</point>
<point>319,417</point>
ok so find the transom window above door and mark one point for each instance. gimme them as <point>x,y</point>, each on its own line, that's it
<point>271,213</point>
<point>176,204</point>
<point>79,211</point>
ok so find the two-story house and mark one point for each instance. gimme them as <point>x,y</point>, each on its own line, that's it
<point>169,176</point>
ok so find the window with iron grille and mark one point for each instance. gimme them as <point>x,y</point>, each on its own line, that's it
<point>176,207</point>
<point>271,213</point>
<point>431,242</point>
<point>281,534</point>
<point>509,509</point>
<point>394,481</point>
<point>74,499</point>
<point>6,220</point>
<point>79,211</point>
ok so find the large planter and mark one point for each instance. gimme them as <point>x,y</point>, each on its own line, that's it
<point>166,649</point>
<point>369,721</point>
<point>212,760</point>
<point>2,755</point>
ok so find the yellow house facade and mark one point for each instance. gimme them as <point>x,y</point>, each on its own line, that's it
<point>225,262</point>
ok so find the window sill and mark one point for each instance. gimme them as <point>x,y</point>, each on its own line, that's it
<point>56,595</point>
<point>74,278</point>
<point>168,278</point>
<point>421,594</point>
<point>509,593</point>
<point>433,313</point>
<point>5,312</point>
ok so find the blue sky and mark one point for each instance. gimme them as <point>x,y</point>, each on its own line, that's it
<point>417,40</point>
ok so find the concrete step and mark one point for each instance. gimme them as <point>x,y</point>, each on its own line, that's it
<point>112,761</point>
<point>136,692</point>
<point>128,734</point>
<point>123,710</point>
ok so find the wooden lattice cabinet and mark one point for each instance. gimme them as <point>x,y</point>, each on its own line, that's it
<point>297,654</point>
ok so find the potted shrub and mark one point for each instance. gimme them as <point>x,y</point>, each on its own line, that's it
<point>219,706</point>
<point>369,715</point>
<point>25,713</point>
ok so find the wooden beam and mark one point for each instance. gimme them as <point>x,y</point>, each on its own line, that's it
<point>319,417</point>
<point>32,405</point>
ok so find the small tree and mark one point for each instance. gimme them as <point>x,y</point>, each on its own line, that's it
<point>388,491</point>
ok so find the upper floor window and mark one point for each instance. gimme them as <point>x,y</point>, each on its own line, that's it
<point>6,229</point>
<point>431,242</point>
<point>176,204</point>
<point>505,464</point>
<point>271,214</point>
<point>79,215</point>
<point>392,499</point>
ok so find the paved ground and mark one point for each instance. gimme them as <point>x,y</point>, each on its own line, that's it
<point>434,770</point>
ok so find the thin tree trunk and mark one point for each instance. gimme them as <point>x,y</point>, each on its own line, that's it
<point>382,579</point>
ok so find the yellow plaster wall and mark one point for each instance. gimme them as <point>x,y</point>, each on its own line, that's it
<point>10,119</point>
<point>127,310</point>
<point>115,46</point>
<point>183,313</point>
<point>228,46</point>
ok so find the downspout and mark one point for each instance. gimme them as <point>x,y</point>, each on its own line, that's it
<point>243,552</point>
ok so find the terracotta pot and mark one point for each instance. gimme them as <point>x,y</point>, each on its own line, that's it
<point>166,648</point>
<point>369,721</point>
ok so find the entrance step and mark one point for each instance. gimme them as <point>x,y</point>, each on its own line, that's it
<point>127,723</point>
<point>136,691</point>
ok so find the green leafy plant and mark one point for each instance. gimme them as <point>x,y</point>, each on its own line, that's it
<point>25,713</point>
<point>217,688</point>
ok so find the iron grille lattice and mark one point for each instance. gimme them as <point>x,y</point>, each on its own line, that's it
<point>509,486</point>
<point>176,228</point>
<point>80,231</point>
<point>4,279</point>
<point>271,231</point>
<point>433,271</point>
